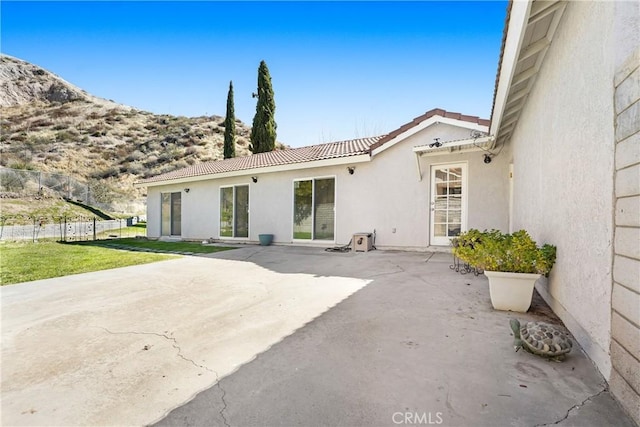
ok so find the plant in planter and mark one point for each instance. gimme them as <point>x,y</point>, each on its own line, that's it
<point>512,262</point>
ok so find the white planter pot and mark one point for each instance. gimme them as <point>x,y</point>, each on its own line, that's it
<point>511,291</point>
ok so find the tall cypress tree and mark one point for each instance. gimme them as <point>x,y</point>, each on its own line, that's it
<point>263,132</point>
<point>230,126</point>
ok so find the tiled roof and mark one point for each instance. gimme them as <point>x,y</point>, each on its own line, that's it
<point>332,150</point>
<point>425,116</point>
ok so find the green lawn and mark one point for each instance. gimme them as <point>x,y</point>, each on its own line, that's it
<point>23,262</point>
<point>192,247</point>
<point>302,235</point>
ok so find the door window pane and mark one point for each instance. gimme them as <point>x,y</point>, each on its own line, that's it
<point>441,175</point>
<point>454,230</point>
<point>242,211</point>
<point>455,202</point>
<point>455,174</point>
<point>324,197</point>
<point>302,202</point>
<point>226,212</point>
<point>440,230</point>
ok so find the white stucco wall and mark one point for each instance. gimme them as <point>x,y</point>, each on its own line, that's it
<point>382,195</point>
<point>563,172</point>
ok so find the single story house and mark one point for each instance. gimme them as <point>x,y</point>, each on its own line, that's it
<point>560,158</point>
<point>417,186</point>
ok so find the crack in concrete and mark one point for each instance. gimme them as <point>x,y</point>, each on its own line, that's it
<point>576,406</point>
<point>174,344</point>
<point>224,402</point>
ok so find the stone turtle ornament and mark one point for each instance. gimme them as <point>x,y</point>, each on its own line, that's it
<point>541,338</point>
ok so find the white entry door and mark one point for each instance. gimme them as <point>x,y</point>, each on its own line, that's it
<point>448,202</point>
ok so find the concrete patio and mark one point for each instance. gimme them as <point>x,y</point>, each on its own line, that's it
<point>283,336</point>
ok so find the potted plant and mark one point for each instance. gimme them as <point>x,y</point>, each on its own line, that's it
<point>265,239</point>
<point>511,262</point>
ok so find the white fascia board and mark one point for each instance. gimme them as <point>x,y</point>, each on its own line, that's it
<point>518,19</point>
<point>470,144</point>
<point>258,171</point>
<point>425,124</point>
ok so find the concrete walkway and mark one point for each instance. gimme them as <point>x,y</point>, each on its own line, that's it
<point>407,341</point>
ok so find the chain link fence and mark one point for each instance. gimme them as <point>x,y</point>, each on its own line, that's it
<point>20,183</point>
<point>69,229</point>
<point>31,183</point>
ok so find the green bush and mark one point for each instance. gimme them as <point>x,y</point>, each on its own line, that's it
<point>495,251</point>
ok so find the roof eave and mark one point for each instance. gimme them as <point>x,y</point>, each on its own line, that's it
<point>518,17</point>
<point>437,119</point>
<point>521,61</point>
<point>344,160</point>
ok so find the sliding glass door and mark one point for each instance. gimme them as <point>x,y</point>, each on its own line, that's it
<point>234,211</point>
<point>314,209</point>
<point>171,214</point>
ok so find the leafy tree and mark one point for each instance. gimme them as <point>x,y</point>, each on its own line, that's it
<point>263,131</point>
<point>230,127</point>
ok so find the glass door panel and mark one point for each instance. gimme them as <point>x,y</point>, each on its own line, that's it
<point>226,212</point>
<point>323,210</point>
<point>302,203</point>
<point>176,214</point>
<point>165,214</point>
<point>242,211</point>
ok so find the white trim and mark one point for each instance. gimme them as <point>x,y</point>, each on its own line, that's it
<point>517,24</point>
<point>465,145</point>
<point>464,203</point>
<point>425,124</point>
<point>313,199</point>
<point>360,158</point>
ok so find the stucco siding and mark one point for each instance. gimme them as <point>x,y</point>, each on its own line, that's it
<point>563,172</point>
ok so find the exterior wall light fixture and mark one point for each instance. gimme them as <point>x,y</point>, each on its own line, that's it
<point>254,178</point>
<point>436,143</point>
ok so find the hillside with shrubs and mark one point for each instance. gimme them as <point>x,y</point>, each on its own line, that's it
<point>49,125</point>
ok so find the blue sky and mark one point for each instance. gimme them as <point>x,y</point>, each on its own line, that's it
<point>340,70</point>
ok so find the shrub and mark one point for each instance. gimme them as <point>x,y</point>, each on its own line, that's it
<point>494,251</point>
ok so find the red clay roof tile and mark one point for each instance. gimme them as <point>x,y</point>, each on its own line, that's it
<point>415,122</point>
<point>311,153</point>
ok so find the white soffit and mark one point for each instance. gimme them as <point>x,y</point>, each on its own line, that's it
<point>532,25</point>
